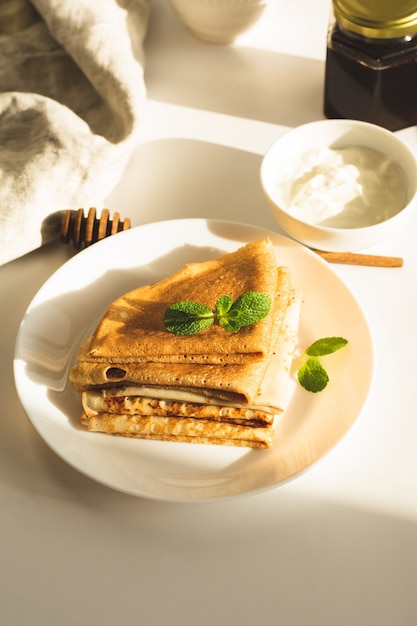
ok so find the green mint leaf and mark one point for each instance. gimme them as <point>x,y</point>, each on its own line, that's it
<point>312,375</point>
<point>253,306</point>
<point>188,318</point>
<point>327,345</point>
<point>223,305</point>
<point>249,308</point>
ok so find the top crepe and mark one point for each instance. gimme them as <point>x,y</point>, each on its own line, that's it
<point>133,331</point>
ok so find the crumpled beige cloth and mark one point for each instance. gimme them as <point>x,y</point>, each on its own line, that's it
<point>71,107</point>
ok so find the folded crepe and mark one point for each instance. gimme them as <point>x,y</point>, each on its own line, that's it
<point>139,380</point>
<point>133,330</point>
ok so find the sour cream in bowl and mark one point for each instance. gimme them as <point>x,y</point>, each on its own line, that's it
<point>340,185</point>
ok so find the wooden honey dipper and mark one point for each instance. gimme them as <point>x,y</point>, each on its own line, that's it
<point>87,230</point>
<point>83,231</point>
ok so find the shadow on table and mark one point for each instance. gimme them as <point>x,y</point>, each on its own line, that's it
<point>256,84</point>
<point>186,178</point>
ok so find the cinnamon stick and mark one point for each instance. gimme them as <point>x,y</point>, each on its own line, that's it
<point>353,258</point>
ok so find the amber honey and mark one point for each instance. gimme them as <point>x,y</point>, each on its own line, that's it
<point>374,80</point>
<point>371,64</point>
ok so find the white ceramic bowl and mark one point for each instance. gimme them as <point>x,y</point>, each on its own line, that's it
<point>337,134</point>
<point>218,21</point>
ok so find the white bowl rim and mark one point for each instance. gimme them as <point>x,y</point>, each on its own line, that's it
<point>339,122</point>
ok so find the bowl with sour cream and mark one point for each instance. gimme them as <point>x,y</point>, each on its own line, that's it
<point>340,185</point>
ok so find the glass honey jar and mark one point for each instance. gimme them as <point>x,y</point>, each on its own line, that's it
<point>371,62</point>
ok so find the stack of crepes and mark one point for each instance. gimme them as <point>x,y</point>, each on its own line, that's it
<point>139,380</point>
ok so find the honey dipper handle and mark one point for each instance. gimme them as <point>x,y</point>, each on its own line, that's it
<point>84,230</point>
<point>354,258</point>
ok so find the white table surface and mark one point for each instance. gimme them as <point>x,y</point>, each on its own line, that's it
<point>337,546</point>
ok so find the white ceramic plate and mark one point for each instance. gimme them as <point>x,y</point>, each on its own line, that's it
<point>69,305</point>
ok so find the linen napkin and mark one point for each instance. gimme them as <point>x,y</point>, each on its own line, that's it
<point>71,108</point>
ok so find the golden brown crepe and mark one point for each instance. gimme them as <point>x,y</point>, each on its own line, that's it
<point>236,383</point>
<point>181,430</point>
<point>133,330</point>
<point>120,402</point>
<point>150,418</point>
<point>139,380</point>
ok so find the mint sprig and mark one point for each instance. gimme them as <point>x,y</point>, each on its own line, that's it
<point>312,375</point>
<point>189,318</point>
